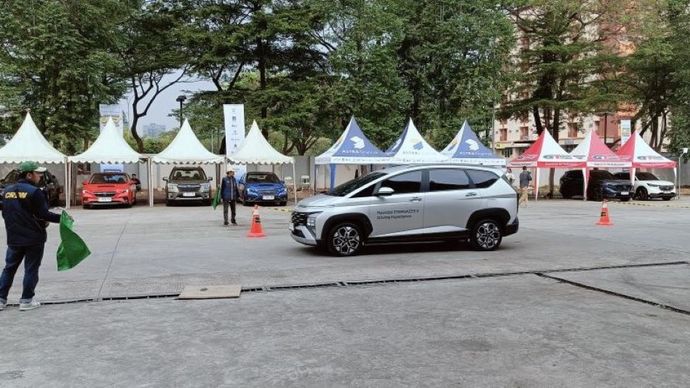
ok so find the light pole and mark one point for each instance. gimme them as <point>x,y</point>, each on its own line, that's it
<point>181,99</point>
<point>680,162</point>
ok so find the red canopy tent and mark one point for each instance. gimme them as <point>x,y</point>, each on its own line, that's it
<point>545,153</point>
<point>641,155</point>
<point>596,154</point>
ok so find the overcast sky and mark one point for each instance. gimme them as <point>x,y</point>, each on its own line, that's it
<point>165,102</point>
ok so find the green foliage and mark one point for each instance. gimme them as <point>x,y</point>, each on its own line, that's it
<point>56,60</point>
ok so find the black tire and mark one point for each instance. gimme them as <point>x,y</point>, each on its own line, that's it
<point>666,198</point>
<point>642,194</point>
<point>597,196</point>
<point>284,203</point>
<point>168,202</point>
<point>344,239</point>
<point>566,195</point>
<point>486,235</point>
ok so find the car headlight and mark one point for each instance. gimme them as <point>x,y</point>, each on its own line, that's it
<point>652,185</point>
<point>251,190</point>
<point>173,188</point>
<point>125,191</point>
<point>311,219</point>
<point>86,192</point>
<point>205,187</point>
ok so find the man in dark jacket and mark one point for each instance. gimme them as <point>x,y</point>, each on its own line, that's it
<point>229,194</point>
<point>25,210</point>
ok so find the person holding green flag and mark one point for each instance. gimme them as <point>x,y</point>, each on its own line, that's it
<point>26,215</point>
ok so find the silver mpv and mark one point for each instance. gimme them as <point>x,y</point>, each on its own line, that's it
<point>409,204</point>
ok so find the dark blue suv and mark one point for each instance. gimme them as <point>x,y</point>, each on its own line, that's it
<point>262,187</point>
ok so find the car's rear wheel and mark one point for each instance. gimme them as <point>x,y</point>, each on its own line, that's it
<point>486,235</point>
<point>642,194</point>
<point>344,239</point>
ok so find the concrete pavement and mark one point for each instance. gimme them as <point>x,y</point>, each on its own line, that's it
<point>562,303</point>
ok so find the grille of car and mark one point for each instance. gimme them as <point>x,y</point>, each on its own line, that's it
<point>269,192</point>
<point>104,194</point>
<point>299,218</point>
<point>666,188</point>
<point>189,188</point>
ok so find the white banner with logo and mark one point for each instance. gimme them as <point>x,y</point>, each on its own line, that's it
<point>233,115</point>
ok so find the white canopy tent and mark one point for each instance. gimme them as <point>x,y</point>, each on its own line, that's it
<point>187,149</point>
<point>28,144</point>
<point>110,147</point>
<point>411,148</point>
<point>255,149</point>
<point>184,149</point>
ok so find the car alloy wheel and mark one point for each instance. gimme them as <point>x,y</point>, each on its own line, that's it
<point>642,194</point>
<point>486,235</point>
<point>345,240</point>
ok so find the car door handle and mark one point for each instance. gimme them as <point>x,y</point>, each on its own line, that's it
<point>472,194</point>
<point>416,199</point>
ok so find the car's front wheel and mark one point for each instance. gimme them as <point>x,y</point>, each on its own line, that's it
<point>486,235</point>
<point>344,239</point>
<point>642,194</point>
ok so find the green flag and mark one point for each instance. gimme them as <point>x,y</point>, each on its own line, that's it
<point>72,249</point>
<point>216,198</point>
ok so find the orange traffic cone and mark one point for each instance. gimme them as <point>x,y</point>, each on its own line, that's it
<point>604,219</point>
<point>256,230</point>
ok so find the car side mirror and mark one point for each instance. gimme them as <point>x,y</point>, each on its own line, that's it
<point>209,179</point>
<point>384,192</point>
<point>165,179</point>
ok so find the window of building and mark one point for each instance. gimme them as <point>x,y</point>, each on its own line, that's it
<point>507,153</point>
<point>503,134</point>
<point>524,133</point>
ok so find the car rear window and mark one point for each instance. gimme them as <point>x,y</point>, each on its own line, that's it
<point>482,179</point>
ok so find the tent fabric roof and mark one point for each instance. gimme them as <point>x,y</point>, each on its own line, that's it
<point>352,147</point>
<point>255,149</point>
<point>187,149</point>
<point>595,153</point>
<point>411,148</point>
<point>109,147</point>
<point>545,152</point>
<point>641,155</point>
<point>28,144</point>
<point>466,148</point>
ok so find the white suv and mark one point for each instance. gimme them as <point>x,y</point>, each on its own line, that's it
<point>410,203</point>
<point>648,186</point>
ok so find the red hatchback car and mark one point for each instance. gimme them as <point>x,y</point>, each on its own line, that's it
<point>108,188</point>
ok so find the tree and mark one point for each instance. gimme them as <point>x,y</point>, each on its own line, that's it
<point>56,59</point>
<point>560,60</point>
<point>151,53</point>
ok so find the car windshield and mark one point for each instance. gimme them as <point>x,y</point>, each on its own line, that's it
<point>601,174</point>
<point>187,174</point>
<point>262,178</point>
<point>350,186</point>
<point>646,176</point>
<point>108,178</point>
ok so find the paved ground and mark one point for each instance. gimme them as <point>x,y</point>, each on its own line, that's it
<point>563,303</point>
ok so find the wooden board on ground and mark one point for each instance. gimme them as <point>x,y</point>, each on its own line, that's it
<point>210,292</point>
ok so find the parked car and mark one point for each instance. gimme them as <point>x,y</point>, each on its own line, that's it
<point>410,203</point>
<point>187,184</point>
<point>262,187</point>
<point>602,184</point>
<point>648,186</point>
<point>107,189</point>
<point>48,184</point>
